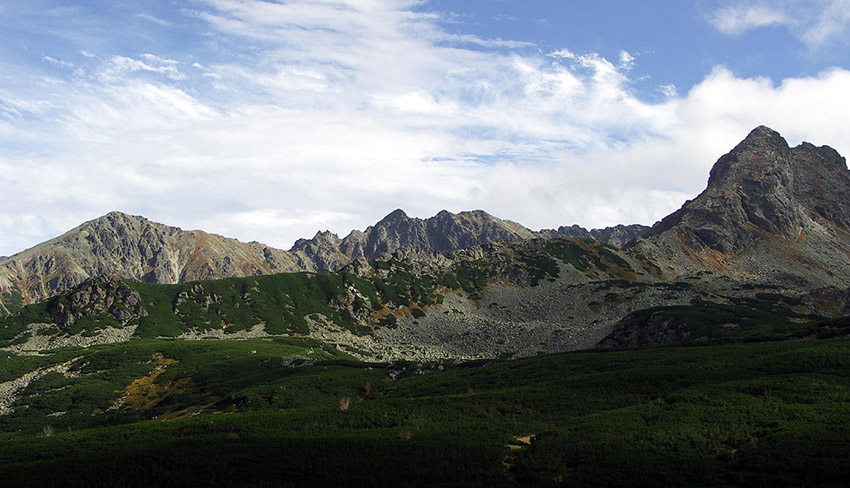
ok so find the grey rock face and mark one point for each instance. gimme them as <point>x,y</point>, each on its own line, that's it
<point>445,232</point>
<point>617,236</point>
<point>763,186</point>
<point>769,212</point>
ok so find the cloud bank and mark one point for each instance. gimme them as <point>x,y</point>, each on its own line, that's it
<point>328,115</point>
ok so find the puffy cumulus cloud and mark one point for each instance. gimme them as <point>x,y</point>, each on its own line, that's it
<point>328,115</point>
<point>815,22</point>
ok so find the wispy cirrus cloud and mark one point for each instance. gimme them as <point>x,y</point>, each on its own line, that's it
<point>740,17</point>
<point>815,22</point>
<point>154,19</point>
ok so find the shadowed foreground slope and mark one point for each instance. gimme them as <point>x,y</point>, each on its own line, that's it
<point>763,414</point>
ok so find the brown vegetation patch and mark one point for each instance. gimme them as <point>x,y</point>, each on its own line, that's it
<point>145,393</point>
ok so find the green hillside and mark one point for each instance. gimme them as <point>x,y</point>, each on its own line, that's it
<point>245,413</point>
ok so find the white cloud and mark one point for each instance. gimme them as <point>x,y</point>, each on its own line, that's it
<point>562,53</point>
<point>120,66</point>
<point>815,22</point>
<point>58,62</point>
<point>493,43</point>
<point>741,17</point>
<point>669,90</point>
<point>154,19</point>
<point>833,22</point>
<point>330,115</point>
<point>627,61</point>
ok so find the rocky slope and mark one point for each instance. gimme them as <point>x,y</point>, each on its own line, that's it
<point>769,211</point>
<point>513,299</point>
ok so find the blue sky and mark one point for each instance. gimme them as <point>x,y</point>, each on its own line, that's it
<point>270,120</point>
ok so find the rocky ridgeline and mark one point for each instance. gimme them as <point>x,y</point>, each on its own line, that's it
<point>617,236</point>
<point>124,246</point>
<point>133,247</point>
<point>443,233</point>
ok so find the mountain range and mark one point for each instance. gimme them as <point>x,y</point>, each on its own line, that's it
<point>132,247</point>
<point>768,238</point>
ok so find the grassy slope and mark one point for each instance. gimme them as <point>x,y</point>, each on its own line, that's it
<point>759,414</point>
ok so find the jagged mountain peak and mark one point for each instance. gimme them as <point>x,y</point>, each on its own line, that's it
<point>763,150</point>
<point>326,235</point>
<point>763,186</point>
<point>117,214</point>
<point>116,217</point>
<point>768,208</point>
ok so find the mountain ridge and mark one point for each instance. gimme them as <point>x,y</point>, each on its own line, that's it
<point>127,246</point>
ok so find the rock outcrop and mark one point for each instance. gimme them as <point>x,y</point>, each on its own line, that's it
<point>97,297</point>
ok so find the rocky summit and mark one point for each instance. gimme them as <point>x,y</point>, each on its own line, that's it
<point>444,232</point>
<point>768,210</point>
